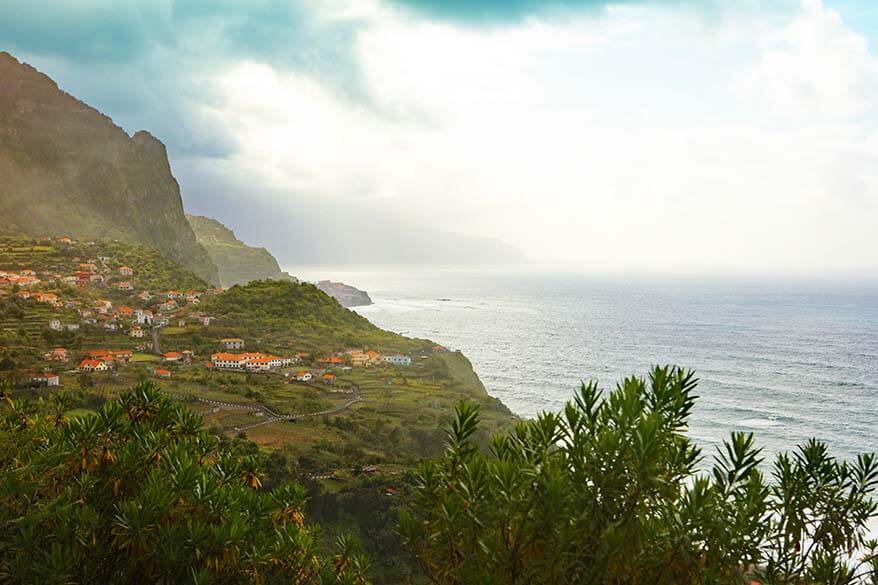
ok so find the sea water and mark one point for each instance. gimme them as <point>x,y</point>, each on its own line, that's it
<point>785,360</point>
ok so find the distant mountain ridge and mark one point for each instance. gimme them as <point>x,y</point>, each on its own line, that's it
<point>67,169</point>
<point>237,262</point>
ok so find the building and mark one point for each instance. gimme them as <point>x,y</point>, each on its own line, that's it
<point>125,285</point>
<point>227,361</point>
<point>161,373</point>
<point>253,362</point>
<point>126,271</point>
<point>121,355</point>
<point>328,378</point>
<point>136,332</point>
<point>55,325</point>
<point>59,354</point>
<point>232,343</point>
<point>303,376</point>
<point>143,316</point>
<point>397,360</point>
<point>173,356</point>
<point>260,364</point>
<point>46,379</point>
<point>90,365</point>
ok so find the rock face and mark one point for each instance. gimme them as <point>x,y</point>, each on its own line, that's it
<point>345,294</point>
<point>237,262</point>
<point>67,169</point>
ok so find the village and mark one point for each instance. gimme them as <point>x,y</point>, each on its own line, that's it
<point>107,302</point>
<point>281,364</point>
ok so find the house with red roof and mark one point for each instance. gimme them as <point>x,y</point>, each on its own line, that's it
<point>91,365</point>
<point>59,354</point>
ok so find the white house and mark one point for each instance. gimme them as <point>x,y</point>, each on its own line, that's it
<point>227,361</point>
<point>55,325</point>
<point>88,365</point>
<point>47,379</point>
<point>397,360</point>
<point>232,343</point>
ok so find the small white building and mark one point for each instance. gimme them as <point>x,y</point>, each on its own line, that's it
<point>397,360</point>
<point>232,343</point>
<point>55,325</point>
<point>47,379</point>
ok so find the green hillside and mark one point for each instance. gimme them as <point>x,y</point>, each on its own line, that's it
<point>237,262</point>
<point>302,311</point>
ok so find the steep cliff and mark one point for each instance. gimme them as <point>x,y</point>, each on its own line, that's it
<point>345,294</point>
<point>67,169</point>
<point>237,262</point>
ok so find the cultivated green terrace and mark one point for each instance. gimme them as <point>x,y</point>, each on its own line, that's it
<point>279,360</point>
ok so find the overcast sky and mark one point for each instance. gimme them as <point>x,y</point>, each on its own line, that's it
<point>665,136</point>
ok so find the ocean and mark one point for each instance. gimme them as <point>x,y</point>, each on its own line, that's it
<point>785,360</point>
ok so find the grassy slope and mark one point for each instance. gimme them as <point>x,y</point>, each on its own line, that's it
<point>237,262</point>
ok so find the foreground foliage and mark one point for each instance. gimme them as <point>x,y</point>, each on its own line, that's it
<point>611,491</point>
<point>140,493</point>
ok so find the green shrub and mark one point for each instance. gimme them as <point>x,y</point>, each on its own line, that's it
<point>611,490</point>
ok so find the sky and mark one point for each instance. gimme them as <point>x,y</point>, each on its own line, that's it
<point>657,136</point>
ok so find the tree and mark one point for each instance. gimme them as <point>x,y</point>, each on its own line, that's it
<point>612,490</point>
<point>140,493</point>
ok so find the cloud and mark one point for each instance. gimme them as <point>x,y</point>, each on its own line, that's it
<point>148,63</point>
<point>650,138</point>
<point>489,11</point>
<point>815,66</point>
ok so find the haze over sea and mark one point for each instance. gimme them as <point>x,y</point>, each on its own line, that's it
<point>787,361</point>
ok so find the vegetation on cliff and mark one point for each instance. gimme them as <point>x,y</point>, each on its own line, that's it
<point>302,311</point>
<point>68,170</point>
<point>237,262</point>
<point>611,490</point>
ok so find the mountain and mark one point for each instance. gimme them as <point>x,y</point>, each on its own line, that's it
<point>237,262</point>
<point>67,169</point>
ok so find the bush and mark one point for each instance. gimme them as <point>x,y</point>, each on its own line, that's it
<point>611,491</point>
<point>140,492</point>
